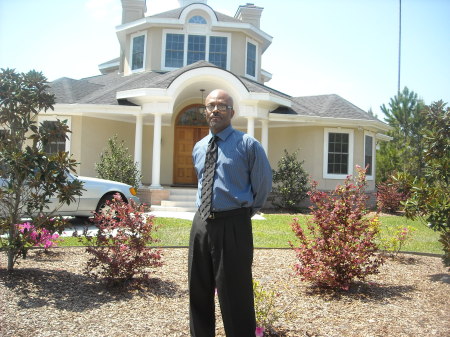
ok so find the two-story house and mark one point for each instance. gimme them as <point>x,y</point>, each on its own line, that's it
<point>152,95</point>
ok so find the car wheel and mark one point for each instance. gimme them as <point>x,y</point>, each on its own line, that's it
<point>102,207</point>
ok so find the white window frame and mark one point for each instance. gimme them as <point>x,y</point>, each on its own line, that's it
<point>247,41</point>
<point>350,164</point>
<point>60,118</point>
<point>372,164</point>
<point>186,34</point>
<point>132,37</point>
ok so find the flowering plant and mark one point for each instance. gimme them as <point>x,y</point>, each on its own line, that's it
<point>36,237</point>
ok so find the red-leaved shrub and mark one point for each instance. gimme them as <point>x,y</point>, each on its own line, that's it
<point>391,194</point>
<point>120,249</point>
<point>340,245</point>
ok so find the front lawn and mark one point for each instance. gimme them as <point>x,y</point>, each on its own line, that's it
<point>275,232</point>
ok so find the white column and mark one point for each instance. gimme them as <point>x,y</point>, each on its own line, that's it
<point>156,161</point>
<point>251,126</point>
<point>265,135</point>
<point>138,142</point>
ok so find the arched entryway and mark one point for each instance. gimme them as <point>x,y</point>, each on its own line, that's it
<point>190,127</point>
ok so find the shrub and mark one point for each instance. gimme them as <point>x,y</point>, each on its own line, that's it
<point>265,310</point>
<point>30,236</point>
<point>341,245</point>
<point>119,249</point>
<point>290,183</point>
<point>118,165</point>
<point>392,193</point>
<point>395,238</point>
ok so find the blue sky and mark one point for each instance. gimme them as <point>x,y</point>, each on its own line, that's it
<point>345,47</point>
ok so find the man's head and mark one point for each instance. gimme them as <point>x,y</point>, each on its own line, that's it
<point>219,110</point>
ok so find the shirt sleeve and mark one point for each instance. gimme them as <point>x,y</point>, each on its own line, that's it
<point>260,176</point>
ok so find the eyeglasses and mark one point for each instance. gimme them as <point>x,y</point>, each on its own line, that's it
<point>220,107</point>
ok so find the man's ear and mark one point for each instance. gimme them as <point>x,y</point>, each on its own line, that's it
<point>232,113</point>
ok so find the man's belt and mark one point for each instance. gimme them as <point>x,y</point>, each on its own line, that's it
<point>231,212</point>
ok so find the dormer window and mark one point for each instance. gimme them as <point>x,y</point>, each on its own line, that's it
<point>137,52</point>
<point>180,50</point>
<point>198,19</point>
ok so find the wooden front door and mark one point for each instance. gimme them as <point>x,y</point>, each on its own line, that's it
<point>190,128</point>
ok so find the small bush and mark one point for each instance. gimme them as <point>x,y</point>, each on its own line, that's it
<point>118,165</point>
<point>391,194</point>
<point>341,245</point>
<point>119,249</point>
<point>265,309</point>
<point>395,239</point>
<point>290,183</point>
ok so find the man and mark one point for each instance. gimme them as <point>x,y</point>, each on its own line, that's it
<point>233,184</point>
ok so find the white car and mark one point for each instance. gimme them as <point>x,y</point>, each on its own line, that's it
<point>94,196</point>
<point>95,193</point>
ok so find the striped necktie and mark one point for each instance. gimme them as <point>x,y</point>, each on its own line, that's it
<point>208,178</point>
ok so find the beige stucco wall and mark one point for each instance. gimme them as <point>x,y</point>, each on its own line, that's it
<point>309,142</point>
<point>90,137</point>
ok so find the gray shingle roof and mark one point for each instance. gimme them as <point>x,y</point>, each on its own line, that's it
<point>332,106</point>
<point>102,89</point>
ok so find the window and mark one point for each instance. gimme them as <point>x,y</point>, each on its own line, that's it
<point>218,51</point>
<point>251,59</point>
<point>55,146</point>
<point>198,19</point>
<point>183,49</point>
<point>196,48</point>
<point>338,153</point>
<point>174,50</point>
<point>138,52</point>
<point>368,154</point>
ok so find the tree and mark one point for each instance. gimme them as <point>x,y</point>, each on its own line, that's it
<point>404,153</point>
<point>291,183</point>
<point>430,198</point>
<point>118,165</point>
<point>29,175</point>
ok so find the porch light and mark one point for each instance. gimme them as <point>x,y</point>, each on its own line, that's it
<point>201,108</point>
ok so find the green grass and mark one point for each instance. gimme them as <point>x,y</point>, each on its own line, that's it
<point>275,232</point>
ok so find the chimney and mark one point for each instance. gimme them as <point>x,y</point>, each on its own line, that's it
<point>133,10</point>
<point>184,3</point>
<point>249,13</point>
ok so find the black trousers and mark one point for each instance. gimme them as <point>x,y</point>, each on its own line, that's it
<point>221,256</point>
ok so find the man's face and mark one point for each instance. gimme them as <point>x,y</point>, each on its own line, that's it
<point>218,119</point>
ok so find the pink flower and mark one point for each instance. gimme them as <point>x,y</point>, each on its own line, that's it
<point>259,332</point>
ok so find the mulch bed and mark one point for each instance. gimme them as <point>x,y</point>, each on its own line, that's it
<point>48,295</point>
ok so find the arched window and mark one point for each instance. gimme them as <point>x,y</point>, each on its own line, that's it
<point>192,116</point>
<point>198,19</point>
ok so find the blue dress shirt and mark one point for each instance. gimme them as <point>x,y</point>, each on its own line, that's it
<point>243,176</point>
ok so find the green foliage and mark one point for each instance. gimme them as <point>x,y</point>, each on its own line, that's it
<point>394,239</point>
<point>117,164</point>
<point>30,176</point>
<point>430,198</point>
<point>120,249</point>
<point>266,311</point>
<point>404,152</point>
<point>290,183</point>
<point>341,246</point>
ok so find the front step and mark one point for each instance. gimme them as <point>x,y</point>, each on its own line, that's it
<point>179,200</point>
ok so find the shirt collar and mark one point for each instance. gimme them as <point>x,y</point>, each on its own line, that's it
<point>223,135</point>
